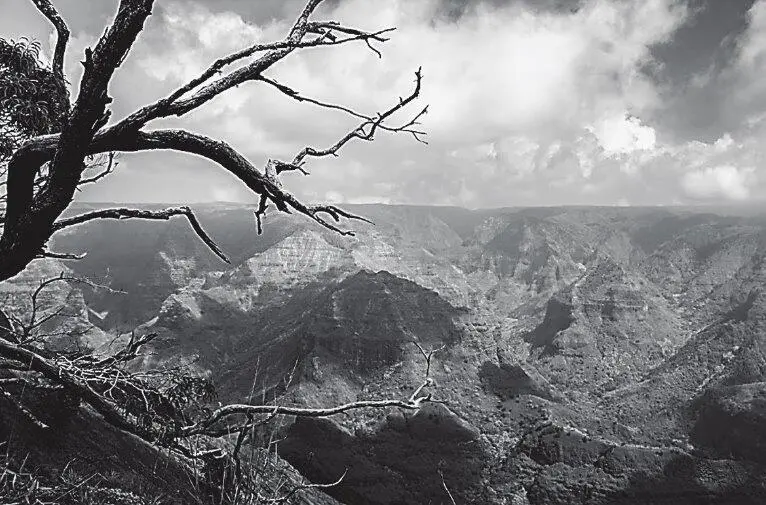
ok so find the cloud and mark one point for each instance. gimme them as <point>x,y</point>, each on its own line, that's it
<point>528,105</point>
<point>624,135</point>
<point>722,181</point>
<point>519,98</point>
<point>729,93</point>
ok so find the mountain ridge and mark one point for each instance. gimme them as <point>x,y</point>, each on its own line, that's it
<point>617,330</point>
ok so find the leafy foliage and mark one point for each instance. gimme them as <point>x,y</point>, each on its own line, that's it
<point>33,101</point>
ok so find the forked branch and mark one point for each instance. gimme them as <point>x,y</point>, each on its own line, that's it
<point>367,129</point>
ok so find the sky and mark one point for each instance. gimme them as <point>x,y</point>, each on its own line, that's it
<point>531,102</point>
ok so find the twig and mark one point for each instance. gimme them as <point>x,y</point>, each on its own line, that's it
<point>303,487</point>
<point>446,489</point>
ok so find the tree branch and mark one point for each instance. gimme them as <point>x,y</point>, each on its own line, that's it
<point>21,408</point>
<point>174,105</point>
<point>108,167</point>
<point>302,487</point>
<point>414,402</point>
<point>61,256</point>
<point>446,489</point>
<point>236,408</point>
<point>163,215</point>
<point>56,374</point>
<point>62,35</point>
<point>366,130</point>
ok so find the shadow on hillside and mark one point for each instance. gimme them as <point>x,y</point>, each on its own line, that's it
<point>397,464</point>
<point>686,480</point>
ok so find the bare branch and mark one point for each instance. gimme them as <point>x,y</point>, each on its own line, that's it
<point>290,92</point>
<point>244,409</point>
<point>263,204</point>
<point>303,487</point>
<point>62,35</point>
<point>367,129</point>
<point>428,355</point>
<point>61,256</point>
<point>226,156</point>
<point>164,215</point>
<point>21,408</point>
<point>414,402</point>
<point>334,26</point>
<point>174,105</point>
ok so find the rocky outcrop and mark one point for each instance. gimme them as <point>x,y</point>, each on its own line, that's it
<point>559,316</point>
<point>369,317</point>
<point>605,329</point>
<point>572,467</point>
<point>361,325</point>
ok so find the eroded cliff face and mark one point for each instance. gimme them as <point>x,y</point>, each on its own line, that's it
<point>610,325</point>
<point>595,355</point>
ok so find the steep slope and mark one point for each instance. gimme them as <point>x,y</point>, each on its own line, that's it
<point>726,353</point>
<point>150,260</point>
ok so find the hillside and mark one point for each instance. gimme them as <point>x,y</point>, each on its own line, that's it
<point>591,355</point>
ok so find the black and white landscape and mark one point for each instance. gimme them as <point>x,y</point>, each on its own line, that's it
<point>501,252</point>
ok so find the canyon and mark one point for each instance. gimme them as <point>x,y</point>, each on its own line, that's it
<point>585,355</point>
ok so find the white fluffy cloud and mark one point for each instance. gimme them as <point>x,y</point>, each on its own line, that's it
<point>715,182</point>
<point>624,135</point>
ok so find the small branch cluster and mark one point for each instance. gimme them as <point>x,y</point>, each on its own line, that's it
<point>27,325</point>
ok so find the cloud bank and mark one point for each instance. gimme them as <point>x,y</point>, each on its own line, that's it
<point>528,106</point>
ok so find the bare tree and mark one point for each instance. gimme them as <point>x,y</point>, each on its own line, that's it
<point>44,172</point>
<point>51,145</point>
